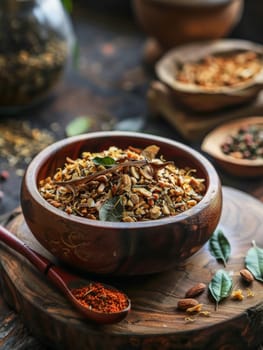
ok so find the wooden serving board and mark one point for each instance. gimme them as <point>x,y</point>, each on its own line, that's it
<point>191,125</point>
<point>154,322</point>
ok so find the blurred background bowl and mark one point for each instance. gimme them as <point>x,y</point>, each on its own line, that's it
<point>176,22</point>
<point>197,97</point>
<point>119,248</point>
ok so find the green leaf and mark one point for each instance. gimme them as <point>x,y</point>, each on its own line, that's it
<point>67,4</point>
<point>111,210</point>
<point>106,161</point>
<point>220,286</point>
<point>79,125</point>
<point>254,261</point>
<point>219,246</point>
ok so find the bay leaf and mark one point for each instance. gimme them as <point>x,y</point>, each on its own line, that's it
<point>254,261</point>
<point>111,210</point>
<point>105,161</point>
<point>78,125</point>
<point>219,246</point>
<point>220,286</point>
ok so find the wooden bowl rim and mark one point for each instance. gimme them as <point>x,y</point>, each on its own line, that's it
<point>194,3</point>
<point>31,174</point>
<point>166,68</point>
<point>212,141</point>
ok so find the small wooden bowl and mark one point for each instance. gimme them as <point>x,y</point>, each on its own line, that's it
<point>119,248</point>
<point>196,97</point>
<point>238,167</point>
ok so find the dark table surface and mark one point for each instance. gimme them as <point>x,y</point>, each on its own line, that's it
<point>109,83</point>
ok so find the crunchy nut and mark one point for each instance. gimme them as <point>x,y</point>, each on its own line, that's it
<point>186,303</point>
<point>246,275</point>
<point>195,290</point>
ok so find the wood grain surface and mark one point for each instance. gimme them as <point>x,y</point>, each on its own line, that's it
<point>154,321</point>
<point>193,126</point>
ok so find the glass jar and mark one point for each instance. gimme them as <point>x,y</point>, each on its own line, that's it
<point>36,39</point>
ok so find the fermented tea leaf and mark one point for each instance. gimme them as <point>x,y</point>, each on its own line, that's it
<point>106,161</point>
<point>111,210</point>
<point>220,286</point>
<point>219,246</point>
<point>254,261</point>
<point>78,126</point>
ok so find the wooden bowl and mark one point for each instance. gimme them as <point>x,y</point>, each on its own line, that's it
<point>197,97</point>
<point>238,167</point>
<point>119,248</point>
<point>176,22</point>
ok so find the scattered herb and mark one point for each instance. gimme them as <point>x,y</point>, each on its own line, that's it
<point>111,210</point>
<point>219,246</point>
<point>105,161</point>
<point>254,261</point>
<point>78,126</point>
<point>220,286</point>
<point>237,295</point>
<point>19,142</point>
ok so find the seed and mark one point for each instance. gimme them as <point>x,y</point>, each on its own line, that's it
<point>195,290</point>
<point>186,303</point>
<point>4,175</point>
<point>246,275</point>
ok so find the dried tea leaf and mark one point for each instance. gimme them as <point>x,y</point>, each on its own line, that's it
<point>105,161</point>
<point>219,246</point>
<point>150,152</point>
<point>220,286</point>
<point>254,261</point>
<point>78,126</point>
<point>111,210</point>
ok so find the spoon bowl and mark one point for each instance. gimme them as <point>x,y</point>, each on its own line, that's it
<point>66,282</point>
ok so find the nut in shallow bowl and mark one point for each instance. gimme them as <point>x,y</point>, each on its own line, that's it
<point>210,75</point>
<point>116,247</point>
<point>237,146</point>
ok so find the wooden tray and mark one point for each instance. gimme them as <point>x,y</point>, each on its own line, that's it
<point>191,125</point>
<point>154,322</point>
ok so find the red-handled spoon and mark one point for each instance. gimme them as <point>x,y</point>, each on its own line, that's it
<point>68,283</point>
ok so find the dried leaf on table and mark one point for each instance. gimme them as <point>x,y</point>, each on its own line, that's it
<point>254,261</point>
<point>219,246</point>
<point>220,286</point>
